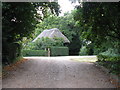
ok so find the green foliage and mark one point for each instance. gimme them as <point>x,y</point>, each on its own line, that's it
<point>18,21</point>
<point>57,22</point>
<point>10,54</point>
<point>59,51</point>
<point>55,51</point>
<point>75,45</point>
<point>58,41</point>
<point>111,52</point>
<point>34,53</point>
<point>48,42</point>
<point>110,62</point>
<point>90,49</point>
<point>100,23</point>
<point>42,43</point>
<point>46,8</point>
<point>83,51</point>
<point>30,46</point>
<point>67,25</point>
<point>87,50</point>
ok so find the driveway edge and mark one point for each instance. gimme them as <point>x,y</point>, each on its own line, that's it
<point>113,78</point>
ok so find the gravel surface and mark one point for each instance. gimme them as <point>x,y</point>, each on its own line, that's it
<point>56,72</point>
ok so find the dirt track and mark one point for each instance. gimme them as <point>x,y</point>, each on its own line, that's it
<point>56,72</point>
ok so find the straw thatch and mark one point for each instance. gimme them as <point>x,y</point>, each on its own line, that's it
<point>51,33</point>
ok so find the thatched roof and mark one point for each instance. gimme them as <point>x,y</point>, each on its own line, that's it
<point>51,33</point>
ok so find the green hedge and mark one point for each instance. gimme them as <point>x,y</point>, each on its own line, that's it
<point>110,62</point>
<point>34,53</point>
<point>59,51</point>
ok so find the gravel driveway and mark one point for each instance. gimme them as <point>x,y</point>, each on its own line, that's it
<point>56,72</point>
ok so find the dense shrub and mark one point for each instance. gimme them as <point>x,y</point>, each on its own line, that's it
<point>86,50</point>
<point>12,52</point>
<point>83,51</point>
<point>42,43</point>
<point>110,62</point>
<point>29,46</point>
<point>111,52</point>
<point>59,51</point>
<point>34,53</point>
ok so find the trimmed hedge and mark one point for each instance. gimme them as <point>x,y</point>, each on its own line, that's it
<point>110,62</point>
<point>59,51</point>
<point>34,53</point>
<point>54,51</point>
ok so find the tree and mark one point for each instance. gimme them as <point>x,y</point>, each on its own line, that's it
<point>67,25</point>
<point>18,21</point>
<point>100,22</point>
<point>43,43</point>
